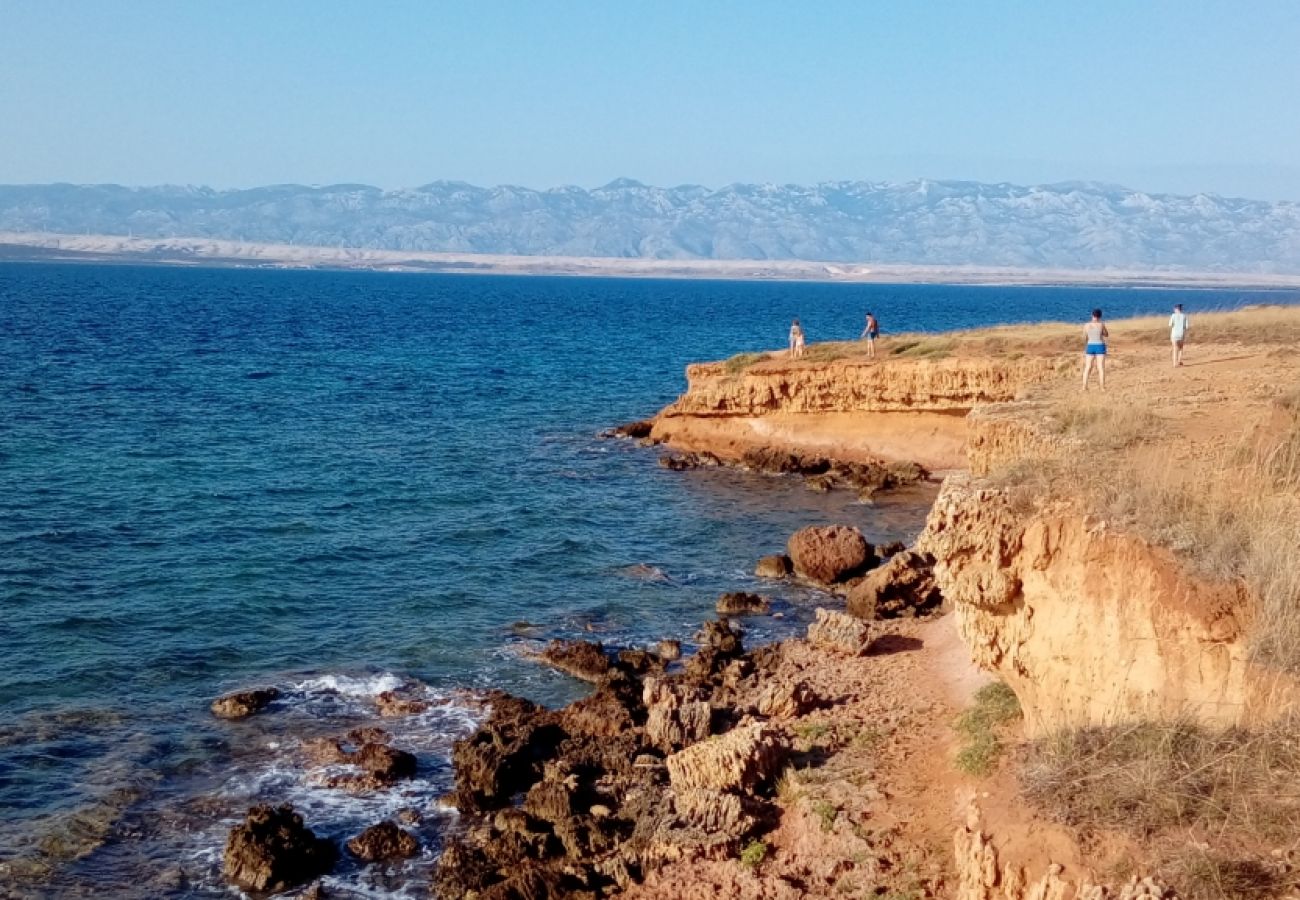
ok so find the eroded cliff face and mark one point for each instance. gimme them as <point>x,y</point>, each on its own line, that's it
<point>893,385</point>
<point>898,409</point>
<point>1092,626</point>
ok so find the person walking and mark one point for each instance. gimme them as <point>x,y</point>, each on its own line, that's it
<point>870,333</point>
<point>1179,323</point>
<point>1094,350</point>
<point>796,339</point>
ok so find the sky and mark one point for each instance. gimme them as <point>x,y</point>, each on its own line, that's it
<point>1162,96</point>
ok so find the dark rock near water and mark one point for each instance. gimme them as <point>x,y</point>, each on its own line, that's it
<point>680,462</point>
<point>383,842</point>
<point>504,757</point>
<point>740,603</point>
<point>636,430</point>
<point>830,553</point>
<point>581,659</point>
<point>272,851</point>
<point>903,586</point>
<point>776,566</point>
<point>244,703</point>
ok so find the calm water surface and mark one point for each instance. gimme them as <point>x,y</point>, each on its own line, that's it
<point>338,483</point>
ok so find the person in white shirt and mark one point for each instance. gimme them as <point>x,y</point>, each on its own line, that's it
<point>1178,325</point>
<point>796,340</point>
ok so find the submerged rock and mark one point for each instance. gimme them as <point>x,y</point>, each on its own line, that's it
<point>830,553</point>
<point>243,703</point>
<point>740,603</point>
<point>382,842</point>
<point>680,462</point>
<point>391,704</point>
<point>272,851</point>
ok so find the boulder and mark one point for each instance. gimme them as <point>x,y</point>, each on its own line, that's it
<point>840,633</point>
<point>785,699</point>
<point>903,586</point>
<point>272,851</point>
<point>581,659</point>
<point>243,703</point>
<point>680,462</point>
<point>668,650</point>
<point>740,603</point>
<point>384,762</point>
<point>383,842</point>
<point>830,553</point>
<point>718,635</point>
<point>775,566</point>
<point>740,760</point>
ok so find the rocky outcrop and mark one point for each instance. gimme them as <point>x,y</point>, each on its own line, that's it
<point>840,633</point>
<point>1091,625</point>
<point>581,659</point>
<point>830,553</point>
<point>393,704</point>
<point>982,874</point>
<point>902,586</point>
<point>272,851</point>
<point>244,703</point>
<point>383,842</point>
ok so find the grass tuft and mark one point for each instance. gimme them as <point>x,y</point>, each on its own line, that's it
<point>995,706</point>
<point>753,855</point>
<point>742,361</point>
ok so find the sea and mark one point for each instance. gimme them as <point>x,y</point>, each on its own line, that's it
<point>339,483</point>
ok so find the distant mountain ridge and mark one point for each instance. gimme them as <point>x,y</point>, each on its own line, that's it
<point>1071,225</point>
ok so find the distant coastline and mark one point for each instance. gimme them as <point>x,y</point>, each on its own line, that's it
<point>212,252</point>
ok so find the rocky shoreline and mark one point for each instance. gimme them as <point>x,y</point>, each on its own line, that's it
<point>665,761</point>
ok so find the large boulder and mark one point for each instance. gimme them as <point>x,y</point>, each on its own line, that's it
<point>829,553</point>
<point>903,586</point>
<point>840,633</point>
<point>271,851</point>
<point>740,760</point>
<point>243,703</point>
<point>382,842</point>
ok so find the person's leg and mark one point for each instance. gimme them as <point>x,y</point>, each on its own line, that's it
<point>1101,371</point>
<point>1087,369</point>
<point>1176,353</point>
<point>1180,353</point>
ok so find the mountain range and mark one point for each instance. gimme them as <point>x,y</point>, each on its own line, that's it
<point>1072,225</point>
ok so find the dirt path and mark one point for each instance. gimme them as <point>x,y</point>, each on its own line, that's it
<point>870,805</point>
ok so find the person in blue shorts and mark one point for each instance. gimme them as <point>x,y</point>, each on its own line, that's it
<point>1094,350</point>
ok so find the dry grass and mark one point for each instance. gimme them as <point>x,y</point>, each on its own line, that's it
<point>1210,806</point>
<point>742,361</point>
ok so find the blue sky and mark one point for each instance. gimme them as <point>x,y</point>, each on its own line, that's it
<point>1166,96</point>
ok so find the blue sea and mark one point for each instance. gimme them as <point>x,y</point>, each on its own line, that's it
<point>338,483</point>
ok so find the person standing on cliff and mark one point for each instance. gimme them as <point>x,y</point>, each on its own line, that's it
<point>1094,350</point>
<point>1179,323</point>
<point>796,339</point>
<point>870,333</point>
